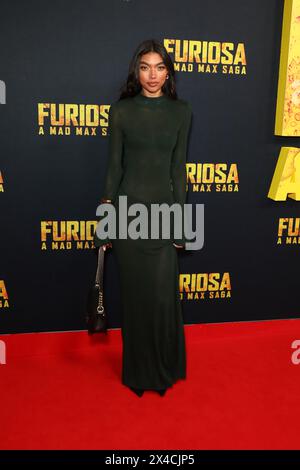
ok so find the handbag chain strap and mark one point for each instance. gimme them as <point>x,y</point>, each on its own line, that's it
<point>99,280</point>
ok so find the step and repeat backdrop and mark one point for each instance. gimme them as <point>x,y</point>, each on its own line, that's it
<point>62,65</point>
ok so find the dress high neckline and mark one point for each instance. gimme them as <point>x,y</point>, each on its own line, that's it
<point>150,101</point>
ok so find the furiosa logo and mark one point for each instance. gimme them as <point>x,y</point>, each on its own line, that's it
<point>286,178</point>
<point>78,119</point>
<point>197,286</point>
<point>213,177</point>
<point>67,234</point>
<point>288,231</point>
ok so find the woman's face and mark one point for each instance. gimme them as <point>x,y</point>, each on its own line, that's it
<point>152,73</point>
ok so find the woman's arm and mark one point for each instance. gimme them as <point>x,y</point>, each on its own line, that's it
<point>114,170</point>
<point>178,166</point>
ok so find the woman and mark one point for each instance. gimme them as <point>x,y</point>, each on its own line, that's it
<point>148,137</point>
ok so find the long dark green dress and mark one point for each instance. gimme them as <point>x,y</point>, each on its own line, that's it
<point>147,156</point>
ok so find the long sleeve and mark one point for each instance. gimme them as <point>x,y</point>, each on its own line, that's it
<point>114,169</point>
<point>178,165</point>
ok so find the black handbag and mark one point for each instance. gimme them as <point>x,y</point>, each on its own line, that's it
<point>96,318</point>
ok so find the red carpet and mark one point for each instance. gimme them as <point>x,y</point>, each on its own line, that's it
<point>63,391</point>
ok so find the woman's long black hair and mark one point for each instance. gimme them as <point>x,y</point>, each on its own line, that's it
<point>132,86</point>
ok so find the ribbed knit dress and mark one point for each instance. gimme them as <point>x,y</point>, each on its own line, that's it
<point>148,140</point>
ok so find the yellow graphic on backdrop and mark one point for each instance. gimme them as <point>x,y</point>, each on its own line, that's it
<point>286,178</point>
